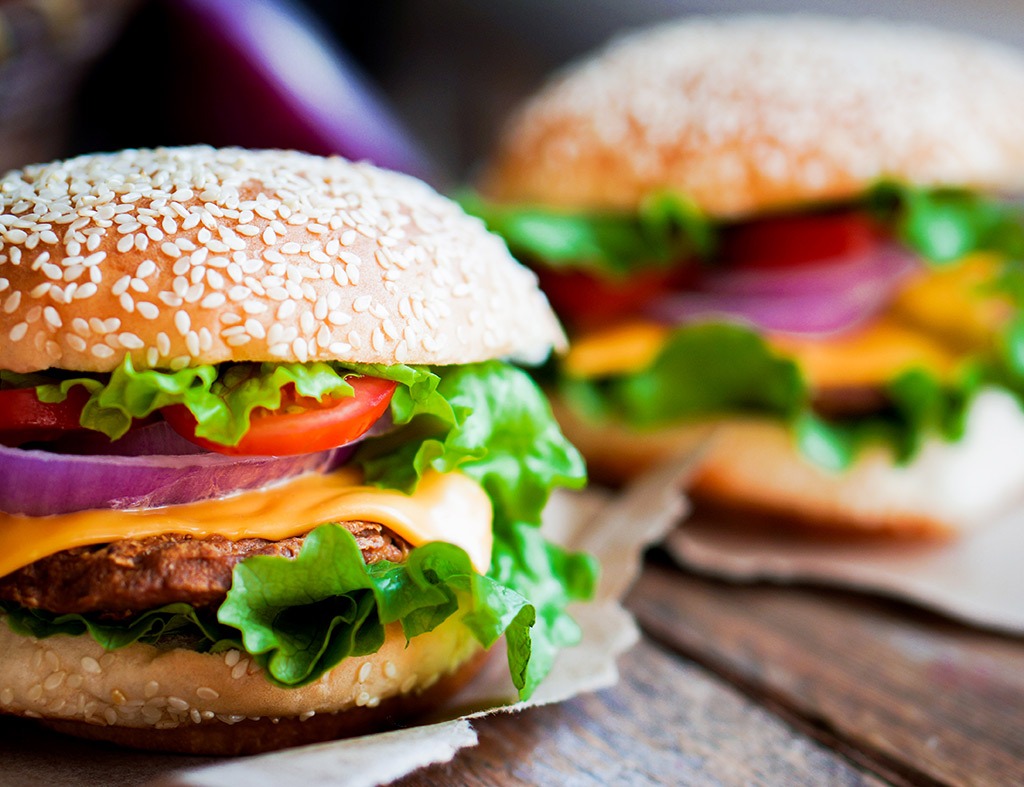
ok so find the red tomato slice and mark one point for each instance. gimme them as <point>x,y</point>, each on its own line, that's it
<point>775,243</point>
<point>585,300</point>
<point>301,425</point>
<point>24,419</point>
<point>793,241</point>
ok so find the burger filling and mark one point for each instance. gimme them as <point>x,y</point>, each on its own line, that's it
<point>865,322</point>
<point>116,581</point>
<point>289,510</point>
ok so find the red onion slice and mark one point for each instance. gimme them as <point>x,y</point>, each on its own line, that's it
<point>887,263</point>
<point>39,483</point>
<point>268,76</point>
<point>153,440</point>
<point>820,300</point>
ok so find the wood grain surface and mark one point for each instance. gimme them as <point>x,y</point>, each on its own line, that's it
<point>907,694</point>
<point>668,721</point>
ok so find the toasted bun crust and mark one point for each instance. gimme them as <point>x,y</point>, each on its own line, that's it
<point>753,466</point>
<point>748,114</point>
<point>615,454</point>
<point>187,256</point>
<point>203,703</point>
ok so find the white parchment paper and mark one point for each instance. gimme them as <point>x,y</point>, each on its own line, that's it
<point>977,578</point>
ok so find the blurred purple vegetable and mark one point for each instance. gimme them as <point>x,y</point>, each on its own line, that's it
<point>269,77</point>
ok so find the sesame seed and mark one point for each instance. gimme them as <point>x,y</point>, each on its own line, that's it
<point>130,341</point>
<point>254,307</point>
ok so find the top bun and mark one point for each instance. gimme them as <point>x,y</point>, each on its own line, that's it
<point>185,256</point>
<point>750,114</point>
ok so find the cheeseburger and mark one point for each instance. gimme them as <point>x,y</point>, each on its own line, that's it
<point>801,231</point>
<point>266,476</point>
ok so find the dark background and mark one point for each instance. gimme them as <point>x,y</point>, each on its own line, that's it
<point>450,69</point>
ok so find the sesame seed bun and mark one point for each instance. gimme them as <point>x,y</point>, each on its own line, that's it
<point>221,703</point>
<point>185,256</point>
<point>752,114</point>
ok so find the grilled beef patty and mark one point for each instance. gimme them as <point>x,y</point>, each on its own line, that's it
<point>125,577</point>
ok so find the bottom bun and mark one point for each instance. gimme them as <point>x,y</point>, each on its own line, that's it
<point>221,704</point>
<point>947,489</point>
<point>615,454</point>
<point>753,466</point>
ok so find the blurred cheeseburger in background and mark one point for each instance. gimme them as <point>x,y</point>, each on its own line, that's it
<point>264,477</point>
<point>802,230</point>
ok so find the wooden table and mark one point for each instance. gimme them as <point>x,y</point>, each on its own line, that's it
<point>759,684</point>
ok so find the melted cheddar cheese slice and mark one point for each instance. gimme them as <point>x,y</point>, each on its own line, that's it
<point>956,304</point>
<point>619,349</point>
<point>870,356</point>
<point>445,507</point>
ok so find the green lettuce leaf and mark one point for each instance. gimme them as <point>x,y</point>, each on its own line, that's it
<point>919,406</point>
<point>667,228</point>
<point>489,421</point>
<point>702,371</point>
<point>550,577</point>
<point>944,224</point>
<point>173,621</point>
<point>301,617</point>
<point>221,398</point>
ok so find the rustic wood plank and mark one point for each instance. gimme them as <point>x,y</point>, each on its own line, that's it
<point>914,694</point>
<point>666,722</point>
